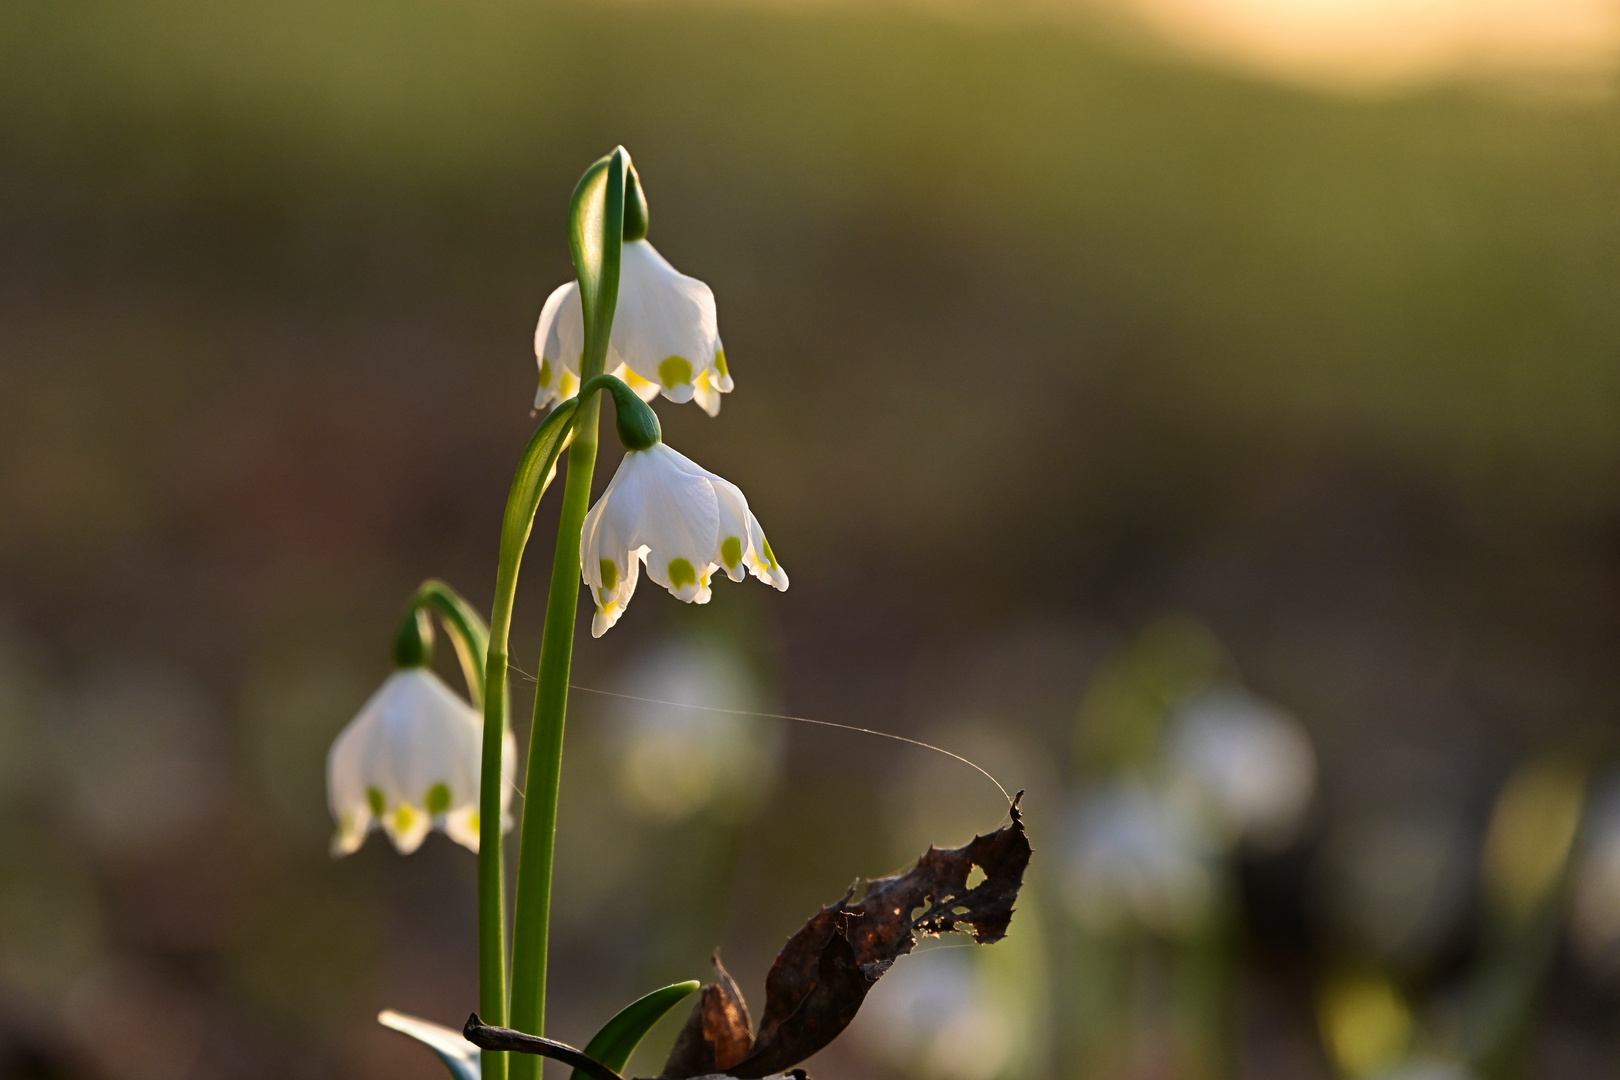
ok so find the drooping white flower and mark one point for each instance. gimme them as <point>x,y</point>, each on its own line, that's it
<point>665,339</point>
<point>683,521</point>
<point>408,763</point>
<point>1136,856</point>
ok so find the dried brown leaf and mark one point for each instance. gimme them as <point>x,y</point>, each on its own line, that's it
<point>822,974</point>
<point>718,1034</point>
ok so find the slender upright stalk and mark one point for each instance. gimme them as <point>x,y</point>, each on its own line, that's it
<point>596,231</point>
<point>530,948</point>
<point>484,669</point>
<point>491,863</point>
<point>528,484</point>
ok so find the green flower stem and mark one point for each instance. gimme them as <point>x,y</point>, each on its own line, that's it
<point>596,232</point>
<point>468,634</point>
<point>485,673</point>
<point>537,850</point>
<point>534,473</point>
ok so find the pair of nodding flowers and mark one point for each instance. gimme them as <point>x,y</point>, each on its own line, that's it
<point>660,508</point>
<point>410,761</point>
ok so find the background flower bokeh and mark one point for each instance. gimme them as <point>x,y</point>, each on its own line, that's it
<point>1090,390</point>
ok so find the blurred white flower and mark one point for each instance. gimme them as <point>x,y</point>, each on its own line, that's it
<point>410,762</point>
<point>1251,763</point>
<point>934,1016</point>
<point>677,761</point>
<point>1135,856</point>
<point>1428,1069</point>
<point>683,521</point>
<point>1595,896</point>
<point>665,337</point>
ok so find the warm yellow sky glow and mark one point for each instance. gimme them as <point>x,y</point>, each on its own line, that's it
<point>1354,43</point>
<point>1383,41</point>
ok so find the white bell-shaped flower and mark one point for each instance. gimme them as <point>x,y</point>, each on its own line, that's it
<point>410,762</point>
<point>1252,764</point>
<point>683,521</point>
<point>665,339</point>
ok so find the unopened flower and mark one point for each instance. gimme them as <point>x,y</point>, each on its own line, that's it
<point>410,762</point>
<point>683,521</point>
<point>665,339</point>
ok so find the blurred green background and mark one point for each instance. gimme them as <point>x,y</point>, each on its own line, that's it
<point>1074,381</point>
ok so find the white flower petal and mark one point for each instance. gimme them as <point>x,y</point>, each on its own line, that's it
<point>351,832</point>
<point>736,545</point>
<point>762,562</point>
<point>462,825</point>
<point>607,562</point>
<point>721,370</point>
<point>407,826</point>
<point>346,781</point>
<point>705,394</point>
<point>559,341</point>
<point>673,512</point>
<point>664,327</point>
<point>663,509</point>
<point>409,762</point>
<point>644,389</point>
<point>664,340</point>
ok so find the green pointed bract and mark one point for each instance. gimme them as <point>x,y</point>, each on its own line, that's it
<point>617,1040</point>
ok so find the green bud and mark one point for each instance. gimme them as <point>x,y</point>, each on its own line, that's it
<point>413,645</point>
<point>635,208</point>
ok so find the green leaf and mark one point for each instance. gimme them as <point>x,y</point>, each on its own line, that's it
<point>458,1055</point>
<point>617,1040</point>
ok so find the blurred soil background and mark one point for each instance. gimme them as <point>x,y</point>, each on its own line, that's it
<point>1042,337</point>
